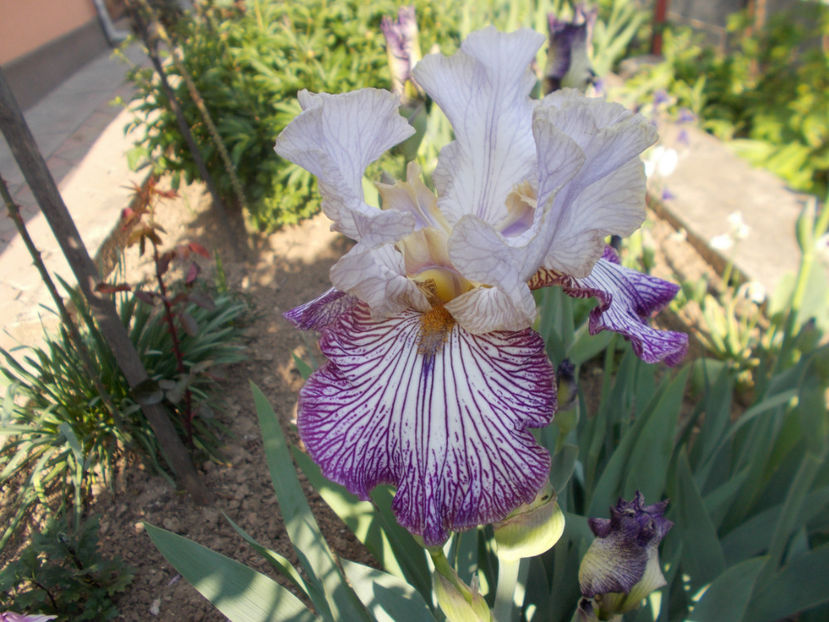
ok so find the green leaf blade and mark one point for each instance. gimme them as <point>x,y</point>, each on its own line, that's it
<point>239,592</point>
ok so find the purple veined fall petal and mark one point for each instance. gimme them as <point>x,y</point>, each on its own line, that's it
<point>627,299</point>
<point>323,310</point>
<point>417,402</point>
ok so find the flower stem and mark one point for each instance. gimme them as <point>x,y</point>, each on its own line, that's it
<point>509,596</point>
<point>171,326</point>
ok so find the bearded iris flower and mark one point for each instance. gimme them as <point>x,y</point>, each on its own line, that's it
<point>434,374</point>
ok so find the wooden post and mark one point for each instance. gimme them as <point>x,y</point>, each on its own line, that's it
<point>40,181</point>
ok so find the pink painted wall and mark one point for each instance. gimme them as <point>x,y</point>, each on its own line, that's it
<point>25,25</point>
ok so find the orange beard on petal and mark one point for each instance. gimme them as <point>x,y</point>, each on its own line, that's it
<point>435,326</point>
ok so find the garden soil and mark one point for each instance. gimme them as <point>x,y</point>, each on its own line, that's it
<point>278,272</point>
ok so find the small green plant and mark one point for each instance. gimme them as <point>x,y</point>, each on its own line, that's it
<point>61,572</point>
<point>619,24</point>
<point>63,433</point>
<point>177,303</point>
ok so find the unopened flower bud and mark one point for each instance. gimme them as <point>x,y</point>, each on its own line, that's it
<point>403,51</point>
<point>531,529</point>
<point>568,63</point>
<point>621,567</point>
<point>458,601</point>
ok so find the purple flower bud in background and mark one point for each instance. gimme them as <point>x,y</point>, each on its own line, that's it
<point>686,116</point>
<point>667,195</point>
<point>621,567</point>
<point>568,62</point>
<point>403,51</point>
<point>660,97</point>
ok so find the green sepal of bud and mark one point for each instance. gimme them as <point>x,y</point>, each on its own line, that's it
<point>458,601</point>
<point>531,529</point>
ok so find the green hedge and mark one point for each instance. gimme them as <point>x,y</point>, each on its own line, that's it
<point>248,61</point>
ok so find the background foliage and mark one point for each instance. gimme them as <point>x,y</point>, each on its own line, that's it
<point>768,94</point>
<point>248,62</point>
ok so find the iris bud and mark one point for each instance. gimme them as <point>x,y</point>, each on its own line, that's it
<point>531,529</point>
<point>458,601</point>
<point>403,51</point>
<point>621,567</point>
<point>568,63</point>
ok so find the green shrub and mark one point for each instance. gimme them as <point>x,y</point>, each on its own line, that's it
<point>248,63</point>
<point>62,573</point>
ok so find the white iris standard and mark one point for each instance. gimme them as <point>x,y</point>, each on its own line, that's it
<point>434,374</point>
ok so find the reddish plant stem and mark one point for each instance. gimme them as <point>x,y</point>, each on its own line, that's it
<point>171,326</point>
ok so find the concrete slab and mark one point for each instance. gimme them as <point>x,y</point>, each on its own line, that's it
<point>709,184</point>
<point>67,109</point>
<point>81,137</point>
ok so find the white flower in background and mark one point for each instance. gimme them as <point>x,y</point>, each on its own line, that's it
<point>753,291</point>
<point>739,229</point>
<point>822,247</point>
<point>722,242</point>
<point>434,374</point>
<point>661,161</point>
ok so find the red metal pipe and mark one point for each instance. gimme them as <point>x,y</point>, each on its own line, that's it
<point>660,13</point>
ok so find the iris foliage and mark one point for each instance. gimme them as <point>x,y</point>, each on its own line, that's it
<point>61,435</point>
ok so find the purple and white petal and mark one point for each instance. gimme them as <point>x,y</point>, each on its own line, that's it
<point>335,138</point>
<point>443,417</point>
<point>627,299</point>
<point>613,205</point>
<point>481,254</point>
<point>413,197</point>
<point>323,310</point>
<point>484,90</point>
